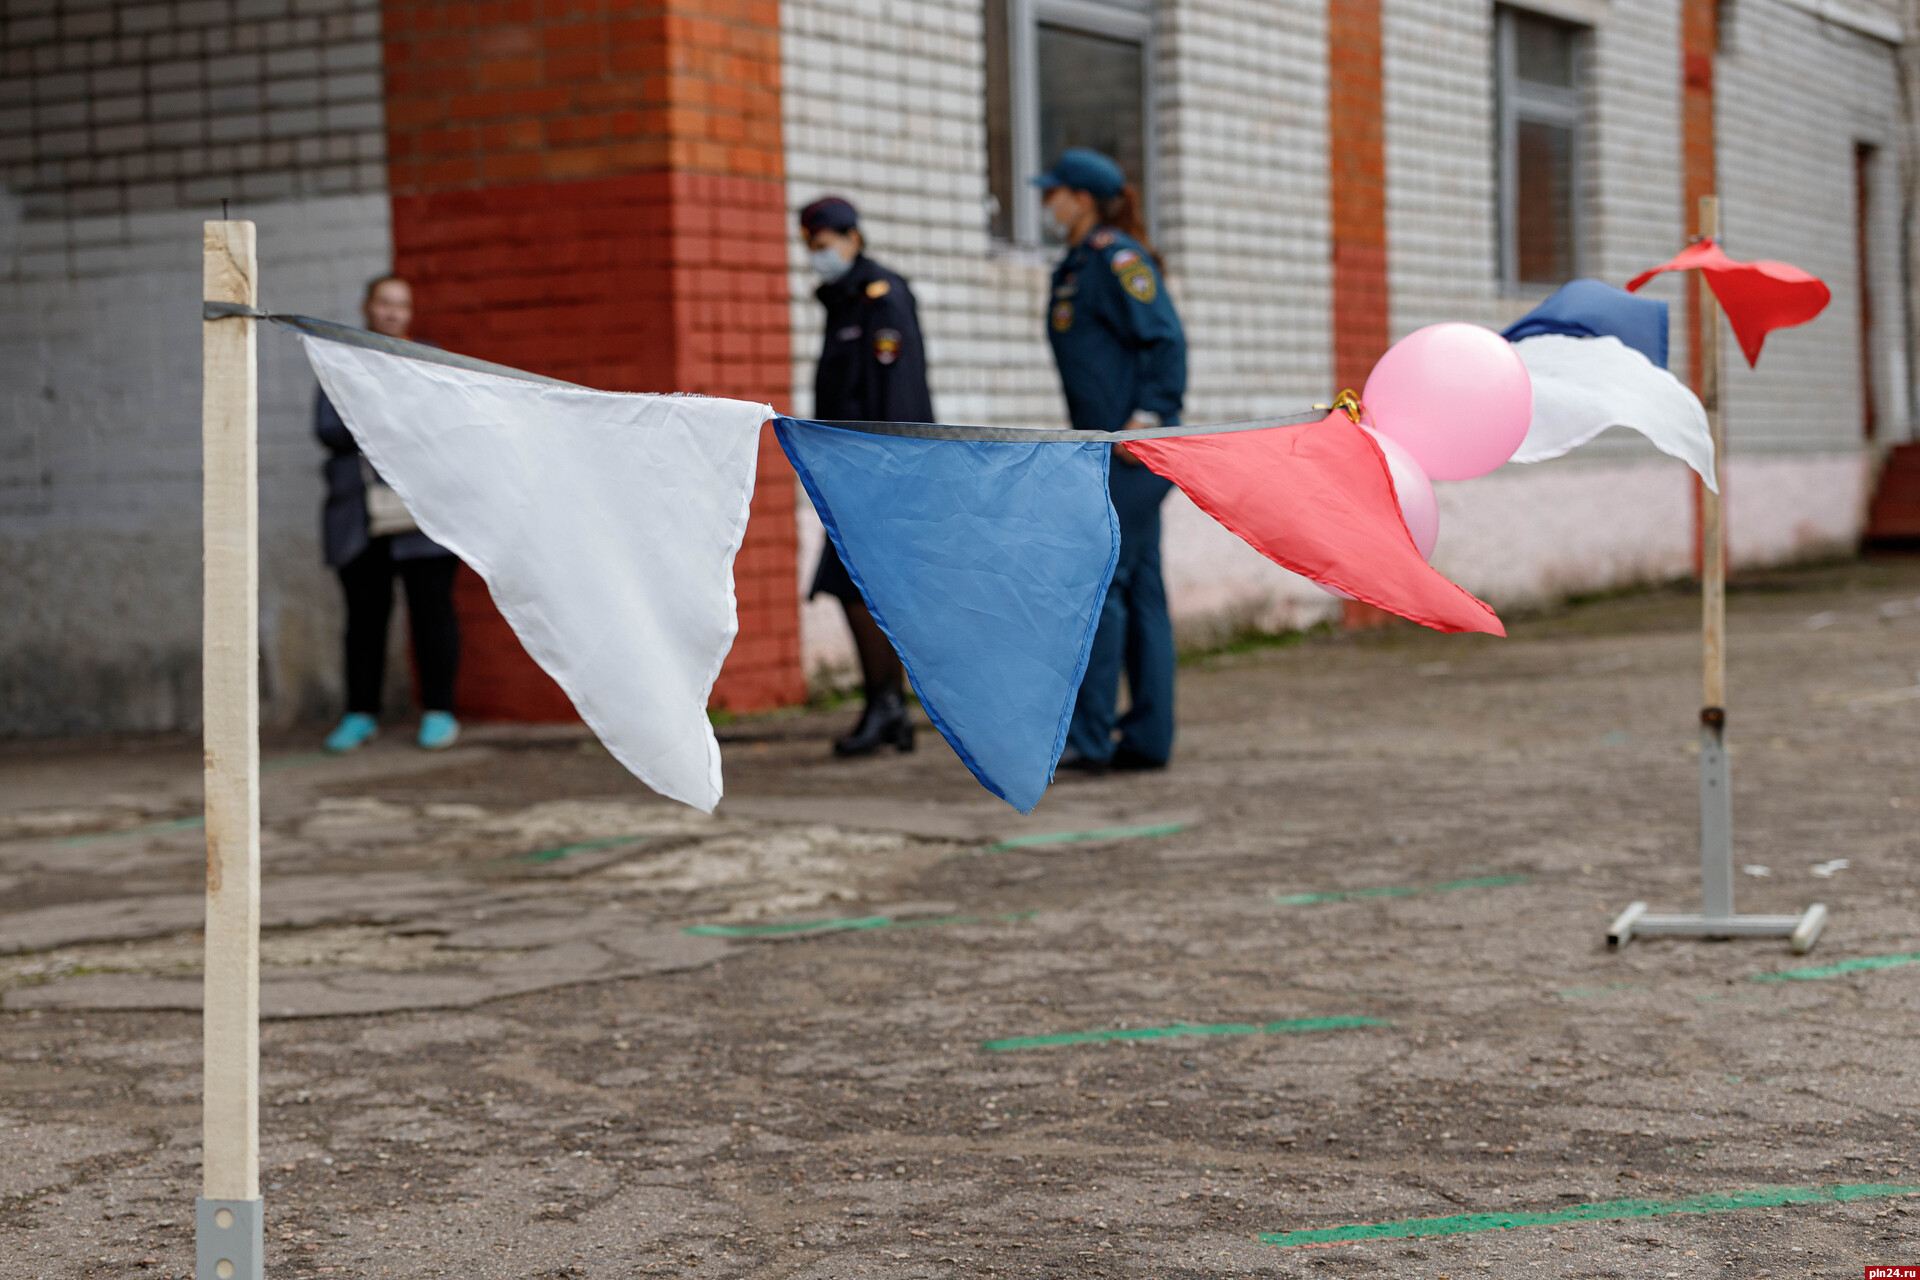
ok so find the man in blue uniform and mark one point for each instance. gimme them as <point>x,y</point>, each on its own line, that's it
<point>872,369</point>
<point>1123,363</point>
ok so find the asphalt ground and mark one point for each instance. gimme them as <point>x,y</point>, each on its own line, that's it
<point>1329,997</point>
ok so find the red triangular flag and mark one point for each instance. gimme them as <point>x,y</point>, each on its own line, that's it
<point>1318,499</point>
<point>1758,297</point>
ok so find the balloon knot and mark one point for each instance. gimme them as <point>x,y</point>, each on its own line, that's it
<point>1348,402</point>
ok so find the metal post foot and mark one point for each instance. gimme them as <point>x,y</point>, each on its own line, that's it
<point>1801,931</point>
<point>229,1240</point>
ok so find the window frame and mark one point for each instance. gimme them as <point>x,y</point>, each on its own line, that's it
<point>1515,99</point>
<point>1130,20</point>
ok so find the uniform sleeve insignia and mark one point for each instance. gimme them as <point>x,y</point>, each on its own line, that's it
<point>879,289</point>
<point>886,342</point>
<point>1123,258</point>
<point>1062,316</point>
<point>1137,279</point>
<point>1101,238</point>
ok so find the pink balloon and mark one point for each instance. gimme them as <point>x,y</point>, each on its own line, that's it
<point>1456,395</point>
<point>1418,507</point>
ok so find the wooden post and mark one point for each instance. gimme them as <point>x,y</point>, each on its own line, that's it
<point>1716,781</point>
<point>229,1236</point>
<point>1713,510</point>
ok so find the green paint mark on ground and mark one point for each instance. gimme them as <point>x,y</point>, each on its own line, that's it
<point>1350,895</point>
<point>150,829</point>
<point>848,925</point>
<point>294,761</point>
<point>1603,1211</point>
<point>1862,964</point>
<point>584,846</point>
<point>1290,1026</point>
<point>1080,837</point>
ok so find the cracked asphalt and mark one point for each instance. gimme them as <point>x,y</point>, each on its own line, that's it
<point>1380,870</point>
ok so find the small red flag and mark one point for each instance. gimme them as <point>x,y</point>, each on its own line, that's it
<point>1318,499</point>
<point>1758,297</point>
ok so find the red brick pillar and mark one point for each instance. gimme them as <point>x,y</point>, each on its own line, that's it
<point>592,189</point>
<point>1357,174</point>
<point>1357,171</point>
<point>1699,42</point>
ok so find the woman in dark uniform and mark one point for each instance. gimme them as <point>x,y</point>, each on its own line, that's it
<point>1123,363</point>
<point>872,369</point>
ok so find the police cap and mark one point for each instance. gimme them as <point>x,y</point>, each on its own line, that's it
<point>829,213</point>
<point>1083,169</point>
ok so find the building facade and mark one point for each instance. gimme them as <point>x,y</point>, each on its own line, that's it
<point>604,191</point>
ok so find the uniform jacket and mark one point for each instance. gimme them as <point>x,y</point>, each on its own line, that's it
<point>1115,336</point>
<point>872,365</point>
<point>343,519</point>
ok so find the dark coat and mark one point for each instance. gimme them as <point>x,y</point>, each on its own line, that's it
<point>343,518</point>
<point>1115,335</point>
<point>873,367</point>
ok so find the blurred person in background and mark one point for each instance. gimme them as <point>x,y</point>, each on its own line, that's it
<point>1123,363</point>
<point>872,369</point>
<point>369,538</point>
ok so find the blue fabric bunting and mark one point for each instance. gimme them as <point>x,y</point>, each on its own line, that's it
<point>1594,309</point>
<point>986,563</point>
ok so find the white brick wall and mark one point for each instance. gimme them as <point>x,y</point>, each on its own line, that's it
<point>890,114</point>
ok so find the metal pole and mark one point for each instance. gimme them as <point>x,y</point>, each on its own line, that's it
<point>1716,918</point>
<point>229,1237</point>
<point>1716,790</point>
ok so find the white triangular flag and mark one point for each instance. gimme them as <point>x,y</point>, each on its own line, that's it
<point>604,524</point>
<point>1582,386</point>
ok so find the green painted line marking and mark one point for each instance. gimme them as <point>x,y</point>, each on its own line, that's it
<point>1349,895</point>
<point>151,829</point>
<point>1602,1211</point>
<point>1079,837</point>
<point>293,762</point>
<point>848,925</point>
<point>1862,964</point>
<point>1288,1027</point>
<point>554,855</point>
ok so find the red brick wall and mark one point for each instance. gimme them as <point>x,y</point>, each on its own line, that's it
<point>592,189</point>
<point>1699,42</point>
<point>1357,164</point>
<point>1356,146</point>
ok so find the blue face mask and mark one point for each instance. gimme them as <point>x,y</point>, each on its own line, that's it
<point>828,264</point>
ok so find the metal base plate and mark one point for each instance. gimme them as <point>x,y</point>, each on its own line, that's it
<point>229,1240</point>
<point>1802,931</point>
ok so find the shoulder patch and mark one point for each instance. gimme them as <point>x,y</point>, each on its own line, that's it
<point>1101,238</point>
<point>879,289</point>
<point>1062,315</point>
<point>1136,277</point>
<point>1124,257</point>
<point>886,342</point>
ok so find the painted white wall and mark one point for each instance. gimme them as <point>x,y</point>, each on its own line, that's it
<point>889,113</point>
<point>100,463</point>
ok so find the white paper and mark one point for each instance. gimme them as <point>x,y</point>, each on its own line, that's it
<point>604,524</point>
<point>1582,386</point>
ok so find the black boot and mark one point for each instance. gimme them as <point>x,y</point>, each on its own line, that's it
<point>883,721</point>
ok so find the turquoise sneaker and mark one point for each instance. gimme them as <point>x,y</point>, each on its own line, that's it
<point>438,731</point>
<point>355,730</point>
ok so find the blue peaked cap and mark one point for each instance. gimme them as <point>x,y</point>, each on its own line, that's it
<point>1595,309</point>
<point>1084,169</point>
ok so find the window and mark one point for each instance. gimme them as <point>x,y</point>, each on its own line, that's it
<point>1537,64</point>
<point>1063,73</point>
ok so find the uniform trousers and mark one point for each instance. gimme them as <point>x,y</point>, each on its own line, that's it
<point>368,582</point>
<point>1135,634</point>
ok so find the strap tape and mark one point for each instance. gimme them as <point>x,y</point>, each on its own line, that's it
<point>355,337</point>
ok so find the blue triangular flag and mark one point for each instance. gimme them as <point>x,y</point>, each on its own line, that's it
<point>1595,309</point>
<point>986,563</point>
